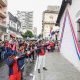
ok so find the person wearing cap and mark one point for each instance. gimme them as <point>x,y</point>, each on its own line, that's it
<point>13,43</point>
<point>14,69</point>
<point>31,49</point>
<point>3,51</point>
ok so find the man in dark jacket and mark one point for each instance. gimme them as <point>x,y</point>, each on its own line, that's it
<point>14,69</point>
<point>31,49</point>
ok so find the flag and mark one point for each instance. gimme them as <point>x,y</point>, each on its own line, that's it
<point>50,32</point>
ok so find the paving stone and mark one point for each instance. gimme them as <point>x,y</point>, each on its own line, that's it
<point>58,69</point>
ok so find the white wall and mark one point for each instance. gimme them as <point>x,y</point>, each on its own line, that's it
<point>68,49</point>
<point>50,17</point>
<point>47,27</point>
<point>73,10</point>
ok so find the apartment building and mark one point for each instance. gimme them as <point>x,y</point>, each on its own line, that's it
<point>26,19</point>
<point>30,21</point>
<point>3,12</point>
<point>3,9</point>
<point>14,25</point>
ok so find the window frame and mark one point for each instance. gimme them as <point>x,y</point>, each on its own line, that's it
<point>78,32</point>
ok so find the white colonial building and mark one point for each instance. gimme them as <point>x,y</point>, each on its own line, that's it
<point>49,20</point>
<point>69,22</point>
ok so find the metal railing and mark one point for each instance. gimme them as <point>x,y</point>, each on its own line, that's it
<point>3,2</point>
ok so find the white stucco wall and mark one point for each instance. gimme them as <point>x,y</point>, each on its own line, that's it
<point>46,31</point>
<point>50,17</point>
<point>73,10</point>
<point>68,49</point>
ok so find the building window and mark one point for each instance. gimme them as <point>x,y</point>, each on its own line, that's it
<point>78,32</point>
<point>0,20</point>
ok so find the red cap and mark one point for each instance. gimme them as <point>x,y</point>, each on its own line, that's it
<point>12,35</point>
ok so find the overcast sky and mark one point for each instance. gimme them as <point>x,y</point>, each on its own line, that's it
<point>37,6</point>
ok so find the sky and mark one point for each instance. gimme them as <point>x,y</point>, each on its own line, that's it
<point>37,6</point>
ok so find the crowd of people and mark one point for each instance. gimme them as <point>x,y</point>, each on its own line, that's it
<point>15,51</point>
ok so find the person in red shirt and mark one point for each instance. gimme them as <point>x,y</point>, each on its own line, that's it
<point>52,45</point>
<point>41,56</point>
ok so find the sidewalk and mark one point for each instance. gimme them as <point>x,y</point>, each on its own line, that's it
<point>3,71</point>
<point>29,67</point>
<point>58,69</point>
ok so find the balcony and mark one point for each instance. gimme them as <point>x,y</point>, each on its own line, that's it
<point>3,26</point>
<point>2,14</point>
<point>48,23</point>
<point>3,3</point>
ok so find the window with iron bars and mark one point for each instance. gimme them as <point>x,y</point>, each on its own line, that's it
<point>78,31</point>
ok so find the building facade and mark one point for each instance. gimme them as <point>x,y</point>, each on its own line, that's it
<point>69,35</point>
<point>26,19</point>
<point>14,25</point>
<point>30,21</point>
<point>49,20</point>
<point>34,31</point>
<point>3,12</point>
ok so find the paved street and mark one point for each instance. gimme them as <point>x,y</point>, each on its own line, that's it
<point>3,71</point>
<point>58,69</point>
<point>29,67</point>
<point>28,70</point>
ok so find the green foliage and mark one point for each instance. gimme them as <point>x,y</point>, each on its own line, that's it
<point>27,34</point>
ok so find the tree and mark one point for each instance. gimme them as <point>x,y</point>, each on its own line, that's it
<point>27,34</point>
